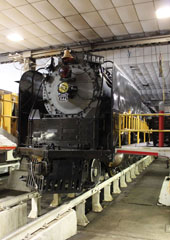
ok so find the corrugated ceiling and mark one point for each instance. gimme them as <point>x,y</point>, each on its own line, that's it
<point>62,22</point>
<point>57,22</point>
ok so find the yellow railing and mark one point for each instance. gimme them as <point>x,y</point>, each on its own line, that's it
<point>8,112</point>
<point>137,123</point>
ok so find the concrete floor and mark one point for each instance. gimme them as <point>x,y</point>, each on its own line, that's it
<point>134,214</point>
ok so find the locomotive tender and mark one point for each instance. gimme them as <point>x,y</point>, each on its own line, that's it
<point>68,120</point>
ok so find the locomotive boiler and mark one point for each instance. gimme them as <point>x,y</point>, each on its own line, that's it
<point>68,121</point>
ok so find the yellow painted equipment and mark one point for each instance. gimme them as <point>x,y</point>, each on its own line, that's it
<point>137,123</point>
<point>8,112</point>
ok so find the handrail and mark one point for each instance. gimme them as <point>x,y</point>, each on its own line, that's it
<point>129,123</point>
<point>146,114</point>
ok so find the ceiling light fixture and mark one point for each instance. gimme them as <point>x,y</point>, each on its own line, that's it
<point>163,12</point>
<point>15,37</point>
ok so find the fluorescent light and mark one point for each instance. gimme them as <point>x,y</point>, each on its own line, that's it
<point>163,12</point>
<point>15,37</point>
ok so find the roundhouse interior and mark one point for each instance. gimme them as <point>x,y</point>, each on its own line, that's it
<point>85,119</point>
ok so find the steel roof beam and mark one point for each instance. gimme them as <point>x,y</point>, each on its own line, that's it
<point>109,44</point>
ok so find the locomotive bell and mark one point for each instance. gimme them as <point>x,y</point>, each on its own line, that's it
<point>67,54</point>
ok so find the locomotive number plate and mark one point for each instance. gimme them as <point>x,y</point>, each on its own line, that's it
<point>93,58</point>
<point>63,97</point>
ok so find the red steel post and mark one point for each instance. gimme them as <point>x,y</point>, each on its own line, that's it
<point>161,125</point>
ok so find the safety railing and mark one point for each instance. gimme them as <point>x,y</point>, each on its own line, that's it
<point>137,123</point>
<point>8,112</point>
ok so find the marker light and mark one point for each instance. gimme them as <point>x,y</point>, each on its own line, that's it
<point>15,37</point>
<point>163,12</point>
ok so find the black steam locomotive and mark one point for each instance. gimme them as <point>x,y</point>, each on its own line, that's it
<point>68,121</point>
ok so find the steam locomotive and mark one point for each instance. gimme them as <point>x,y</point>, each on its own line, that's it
<point>68,121</point>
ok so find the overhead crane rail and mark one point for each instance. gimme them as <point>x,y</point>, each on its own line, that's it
<point>137,123</point>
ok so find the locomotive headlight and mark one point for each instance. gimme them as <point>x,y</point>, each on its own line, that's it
<point>63,87</point>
